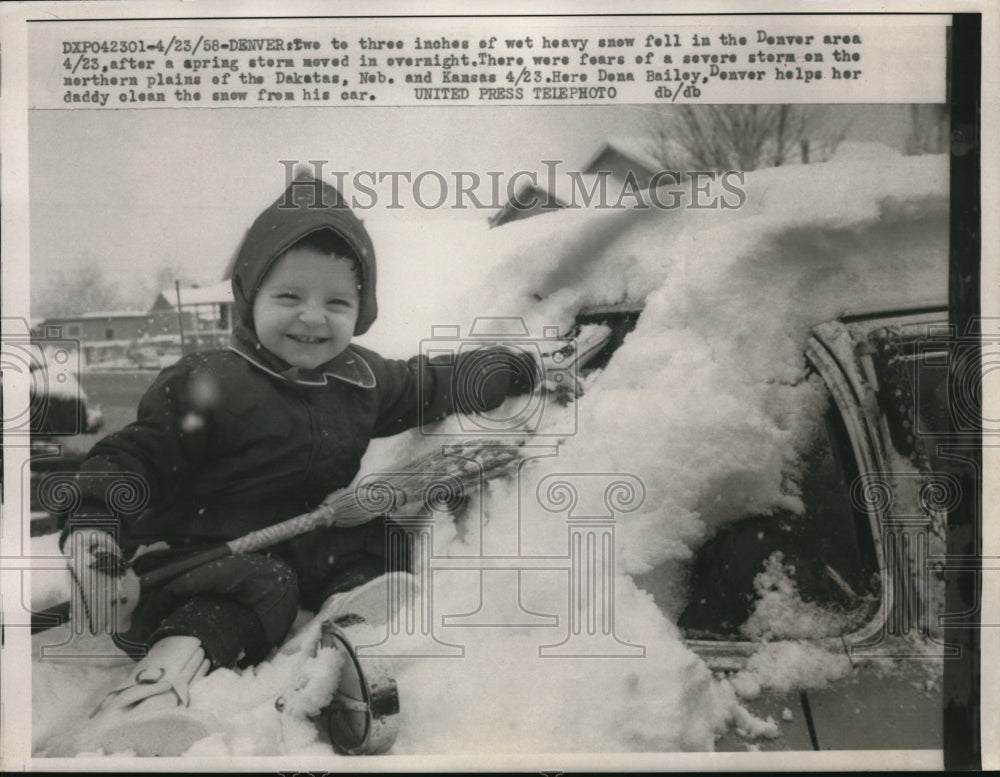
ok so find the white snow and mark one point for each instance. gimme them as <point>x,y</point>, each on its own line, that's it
<point>792,665</point>
<point>857,150</point>
<point>780,613</point>
<point>704,405</point>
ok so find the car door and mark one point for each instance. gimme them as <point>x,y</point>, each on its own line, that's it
<point>861,567</point>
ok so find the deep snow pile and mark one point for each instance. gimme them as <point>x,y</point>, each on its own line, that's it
<point>704,404</point>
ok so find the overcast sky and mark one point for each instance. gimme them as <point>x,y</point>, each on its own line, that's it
<point>135,190</point>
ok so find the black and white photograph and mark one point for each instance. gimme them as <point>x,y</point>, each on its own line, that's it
<point>533,388</point>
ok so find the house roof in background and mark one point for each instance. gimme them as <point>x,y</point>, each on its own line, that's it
<point>94,314</point>
<point>634,149</point>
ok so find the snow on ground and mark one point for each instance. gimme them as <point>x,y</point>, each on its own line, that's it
<point>705,405</point>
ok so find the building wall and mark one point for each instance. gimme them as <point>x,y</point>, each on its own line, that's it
<point>165,322</point>
<point>121,336</point>
<point>92,329</point>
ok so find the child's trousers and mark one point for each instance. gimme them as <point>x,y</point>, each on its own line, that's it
<point>241,607</point>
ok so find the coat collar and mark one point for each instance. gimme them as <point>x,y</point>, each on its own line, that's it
<point>348,367</point>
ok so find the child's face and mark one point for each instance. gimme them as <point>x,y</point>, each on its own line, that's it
<point>306,309</point>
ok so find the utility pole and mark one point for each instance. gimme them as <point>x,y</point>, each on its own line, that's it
<point>180,317</point>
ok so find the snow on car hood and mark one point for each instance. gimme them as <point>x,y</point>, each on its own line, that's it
<point>705,404</point>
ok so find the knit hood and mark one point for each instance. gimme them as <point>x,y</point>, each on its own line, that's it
<point>307,205</point>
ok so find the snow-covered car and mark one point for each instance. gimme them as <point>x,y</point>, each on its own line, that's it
<point>59,409</point>
<point>68,411</point>
<point>767,581</point>
<point>856,573</point>
<point>57,404</point>
<point>60,406</point>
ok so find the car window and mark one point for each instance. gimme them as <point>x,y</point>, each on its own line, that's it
<point>815,570</point>
<point>912,376</point>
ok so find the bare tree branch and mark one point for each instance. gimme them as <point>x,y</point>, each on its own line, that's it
<point>741,137</point>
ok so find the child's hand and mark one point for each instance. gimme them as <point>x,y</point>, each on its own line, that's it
<point>561,366</point>
<point>106,590</point>
<point>559,378</point>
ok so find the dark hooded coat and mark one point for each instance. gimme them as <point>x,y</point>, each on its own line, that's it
<point>231,441</point>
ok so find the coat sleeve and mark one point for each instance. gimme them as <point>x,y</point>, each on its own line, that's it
<point>148,462</point>
<point>422,390</point>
